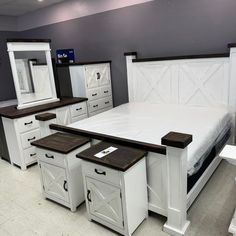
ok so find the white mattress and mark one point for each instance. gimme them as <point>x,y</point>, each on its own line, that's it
<point>150,122</point>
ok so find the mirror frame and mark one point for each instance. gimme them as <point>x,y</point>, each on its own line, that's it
<point>20,45</point>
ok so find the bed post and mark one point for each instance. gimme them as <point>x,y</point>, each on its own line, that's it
<point>176,154</point>
<point>232,85</point>
<point>129,57</point>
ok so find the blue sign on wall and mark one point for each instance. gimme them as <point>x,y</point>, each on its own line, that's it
<point>65,56</point>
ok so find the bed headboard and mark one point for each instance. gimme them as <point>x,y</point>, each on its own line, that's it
<point>208,80</point>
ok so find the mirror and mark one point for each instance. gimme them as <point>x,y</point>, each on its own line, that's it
<point>32,73</point>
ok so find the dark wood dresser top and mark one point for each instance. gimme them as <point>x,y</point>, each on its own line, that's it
<point>61,142</point>
<point>121,159</point>
<point>12,112</point>
<point>45,116</point>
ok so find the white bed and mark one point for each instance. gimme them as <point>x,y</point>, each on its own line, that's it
<point>188,96</point>
<point>148,123</point>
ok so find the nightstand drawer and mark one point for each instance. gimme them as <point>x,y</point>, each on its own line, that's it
<point>51,157</point>
<point>102,173</point>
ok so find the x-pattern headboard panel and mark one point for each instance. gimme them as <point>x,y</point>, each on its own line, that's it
<point>201,82</point>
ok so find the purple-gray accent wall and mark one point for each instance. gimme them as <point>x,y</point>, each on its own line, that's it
<point>157,28</point>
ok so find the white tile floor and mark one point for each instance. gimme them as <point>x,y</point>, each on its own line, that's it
<point>24,212</point>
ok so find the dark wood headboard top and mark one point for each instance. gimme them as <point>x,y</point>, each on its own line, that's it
<point>108,138</point>
<point>201,56</point>
<point>28,40</point>
<point>130,54</point>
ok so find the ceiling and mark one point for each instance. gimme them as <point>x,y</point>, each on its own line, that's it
<point>21,7</point>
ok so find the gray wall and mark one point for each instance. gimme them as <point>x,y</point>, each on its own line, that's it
<point>158,28</point>
<point>7,90</point>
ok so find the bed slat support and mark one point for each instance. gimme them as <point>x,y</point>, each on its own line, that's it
<point>177,149</point>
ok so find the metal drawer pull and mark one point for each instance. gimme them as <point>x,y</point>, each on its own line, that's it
<point>98,75</point>
<point>95,105</point>
<point>46,155</point>
<point>29,123</point>
<point>100,173</point>
<point>106,91</point>
<point>88,196</point>
<point>107,102</point>
<point>94,94</point>
<point>33,154</point>
<point>30,139</point>
<point>64,186</point>
<point>78,109</point>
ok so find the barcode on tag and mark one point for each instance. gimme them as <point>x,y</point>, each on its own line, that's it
<point>105,152</point>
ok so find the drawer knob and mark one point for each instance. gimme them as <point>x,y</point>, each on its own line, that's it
<point>78,109</point>
<point>52,157</point>
<point>95,105</point>
<point>88,196</point>
<point>107,102</point>
<point>64,186</point>
<point>29,123</point>
<point>106,91</point>
<point>100,172</point>
<point>94,94</point>
<point>98,76</point>
<point>33,154</point>
<point>30,139</point>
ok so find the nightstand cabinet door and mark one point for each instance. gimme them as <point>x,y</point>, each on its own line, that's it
<point>55,181</point>
<point>104,201</point>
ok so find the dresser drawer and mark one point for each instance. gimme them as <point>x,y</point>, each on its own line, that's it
<point>101,173</point>
<point>93,94</point>
<point>29,137</point>
<point>27,123</point>
<point>78,118</point>
<point>78,109</point>
<point>105,102</point>
<point>30,155</point>
<point>106,91</point>
<point>51,157</point>
<point>94,106</point>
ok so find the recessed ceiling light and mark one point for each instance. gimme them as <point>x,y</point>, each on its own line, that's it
<point>40,0</point>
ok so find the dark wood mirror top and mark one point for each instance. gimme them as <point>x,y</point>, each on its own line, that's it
<point>121,159</point>
<point>61,142</point>
<point>12,112</point>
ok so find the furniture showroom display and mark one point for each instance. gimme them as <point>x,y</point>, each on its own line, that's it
<point>115,186</point>
<point>203,83</point>
<point>36,94</point>
<point>91,80</point>
<point>229,154</point>
<point>60,170</point>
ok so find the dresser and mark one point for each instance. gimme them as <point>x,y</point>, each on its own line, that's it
<point>21,126</point>
<point>87,80</point>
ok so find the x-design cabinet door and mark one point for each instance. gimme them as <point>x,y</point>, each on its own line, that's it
<point>55,181</point>
<point>97,75</point>
<point>105,201</point>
